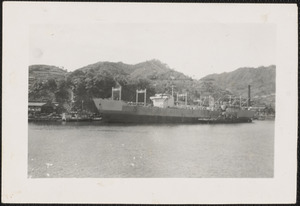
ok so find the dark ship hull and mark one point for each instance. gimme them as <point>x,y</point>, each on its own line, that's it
<point>113,111</point>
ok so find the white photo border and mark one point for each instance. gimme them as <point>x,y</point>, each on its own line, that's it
<point>17,188</point>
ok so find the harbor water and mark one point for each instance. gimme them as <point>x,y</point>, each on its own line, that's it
<point>97,150</point>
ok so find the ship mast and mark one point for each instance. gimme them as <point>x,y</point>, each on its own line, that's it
<point>249,96</point>
<point>141,91</point>
<point>172,78</point>
<point>185,99</point>
<point>182,95</point>
<point>116,89</point>
<point>240,101</point>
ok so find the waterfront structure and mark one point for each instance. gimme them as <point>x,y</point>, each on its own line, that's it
<point>41,107</point>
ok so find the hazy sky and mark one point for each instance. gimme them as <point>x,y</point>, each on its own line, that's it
<point>194,49</point>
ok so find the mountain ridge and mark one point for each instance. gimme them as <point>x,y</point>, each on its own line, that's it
<point>159,77</point>
<point>262,80</point>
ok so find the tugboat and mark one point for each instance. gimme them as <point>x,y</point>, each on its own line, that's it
<point>76,117</point>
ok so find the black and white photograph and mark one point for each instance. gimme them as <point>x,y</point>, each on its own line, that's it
<point>157,98</point>
<point>116,108</point>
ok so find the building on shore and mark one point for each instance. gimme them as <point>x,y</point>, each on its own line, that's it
<point>42,107</point>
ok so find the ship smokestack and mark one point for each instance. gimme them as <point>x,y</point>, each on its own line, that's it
<point>249,95</point>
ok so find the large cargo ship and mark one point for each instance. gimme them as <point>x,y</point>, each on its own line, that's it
<point>163,110</point>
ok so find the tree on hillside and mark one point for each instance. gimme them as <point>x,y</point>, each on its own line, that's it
<point>43,91</point>
<point>91,86</point>
<point>62,93</point>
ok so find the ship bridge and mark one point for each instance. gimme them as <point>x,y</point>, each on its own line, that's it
<point>163,100</point>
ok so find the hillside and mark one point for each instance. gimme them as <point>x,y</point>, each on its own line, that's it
<point>155,70</point>
<point>261,79</point>
<point>96,80</point>
<point>45,72</point>
<point>152,70</point>
<point>159,76</point>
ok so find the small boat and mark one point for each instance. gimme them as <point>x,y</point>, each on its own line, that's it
<point>96,117</point>
<point>76,117</point>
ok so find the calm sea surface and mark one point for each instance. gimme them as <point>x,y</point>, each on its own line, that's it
<point>98,150</point>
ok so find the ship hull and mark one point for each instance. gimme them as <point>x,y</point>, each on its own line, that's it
<point>119,112</point>
<point>147,119</point>
<point>226,121</point>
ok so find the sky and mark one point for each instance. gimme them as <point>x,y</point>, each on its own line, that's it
<point>195,49</point>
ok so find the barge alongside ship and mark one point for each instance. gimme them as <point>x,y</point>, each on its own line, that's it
<point>164,110</point>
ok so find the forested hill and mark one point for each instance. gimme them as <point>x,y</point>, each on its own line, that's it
<point>155,73</point>
<point>151,70</point>
<point>50,83</point>
<point>261,79</point>
<point>45,72</point>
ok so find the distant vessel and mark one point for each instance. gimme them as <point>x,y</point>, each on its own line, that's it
<point>76,117</point>
<point>80,117</point>
<point>164,110</point>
